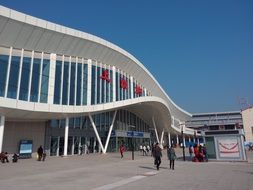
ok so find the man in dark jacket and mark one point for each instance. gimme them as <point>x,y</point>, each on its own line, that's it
<point>157,153</point>
<point>40,153</point>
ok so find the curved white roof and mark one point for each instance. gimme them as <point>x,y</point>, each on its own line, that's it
<point>23,31</point>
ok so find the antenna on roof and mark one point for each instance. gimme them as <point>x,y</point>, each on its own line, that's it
<point>243,102</point>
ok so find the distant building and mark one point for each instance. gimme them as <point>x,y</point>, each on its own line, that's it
<point>247,116</point>
<point>216,121</point>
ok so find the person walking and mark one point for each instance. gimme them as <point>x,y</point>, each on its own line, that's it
<point>171,156</point>
<point>40,153</point>
<point>190,151</point>
<point>205,153</point>
<point>157,153</point>
<point>121,150</point>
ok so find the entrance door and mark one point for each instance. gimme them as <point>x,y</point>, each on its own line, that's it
<point>210,147</point>
<point>54,146</point>
<point>61,146</point>
<point>76,145</point>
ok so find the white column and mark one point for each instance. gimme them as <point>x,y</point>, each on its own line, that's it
<point>194,140</point>
<point>198,140</point>
<point>2,121</point>
<point>8,73</point>
<point>40,79</point>
<point>96,132</point>
<point>20,72</point>
<point>72,146</point>
<point>69,80</point>
<point>89,82</point>
<point>189,139</point>
<point>161,141</point>
<point>66,137</point>
<point>62,74</point>
<point>76,82</point>
<point>169,139</point>
<point>156,134</point>
<point>114,84</point>
<point>58,146</point>
<point>82,82</point>
<point>177,140</point>
<point>30,77</point>
<point>110,131</point>
<point>184,141</point>
<point>145,92</point>
<point>132,87</point>
<point>51,78</point>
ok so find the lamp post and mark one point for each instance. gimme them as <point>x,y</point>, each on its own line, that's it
<point>182,133</point>
<point>132,140</point>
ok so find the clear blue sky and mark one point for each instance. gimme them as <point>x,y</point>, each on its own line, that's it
<point>200,51</point>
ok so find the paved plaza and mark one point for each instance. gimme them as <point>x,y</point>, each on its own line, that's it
<point>104,172</point>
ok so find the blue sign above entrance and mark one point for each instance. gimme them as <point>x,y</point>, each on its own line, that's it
<point>135,134</point>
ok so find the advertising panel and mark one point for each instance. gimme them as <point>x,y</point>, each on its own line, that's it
<point>228,148</point>
<point>25,148</point>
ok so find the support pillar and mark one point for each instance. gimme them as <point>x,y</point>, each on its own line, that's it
<point>156,134</point>
<point>177,140</point>
<point>2,121</point>
<point>66,137</point>
<point>96,132</point>
<point>169,139</point>
<point>161,141</point>
<point>110,131</point>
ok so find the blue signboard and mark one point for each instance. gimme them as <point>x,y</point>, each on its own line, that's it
<point>25,148</point>
<point>113,133</point>
<point>135,134</point>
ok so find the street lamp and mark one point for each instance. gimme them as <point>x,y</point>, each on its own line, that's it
<point>132,140</point>
<point>182,133</point>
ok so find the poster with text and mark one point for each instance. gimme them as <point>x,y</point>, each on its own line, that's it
<point>228,148</point>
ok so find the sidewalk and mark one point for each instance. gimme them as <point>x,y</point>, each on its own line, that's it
<point>101,172</point>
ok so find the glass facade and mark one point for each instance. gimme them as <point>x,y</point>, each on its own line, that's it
<point>57,84</point>
<point>72,84</point>
<point>3,73</point>
<point>70,79</point>
<point>65,88</point>
<point>44,81</point>
<point>24,85</point>
<point>125,123</point>
<point>13,77</point>
<point>35,80</point>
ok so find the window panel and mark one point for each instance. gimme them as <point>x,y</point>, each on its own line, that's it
<point>3,72</point>
<point>65,83</point>
<point>99,83</point>
<point>44,81</point>
<point>25,77</point>
<point>117,86</point>
<point>93,85</point>
<point>57,83</point>
<point>78,83</point>
<point>13,77</point>
<point>35,80</point>
<point>72,84</point>
<point>111,86</point>
<point>85,83</point>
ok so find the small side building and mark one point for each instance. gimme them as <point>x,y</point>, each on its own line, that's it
<point>247,117</point>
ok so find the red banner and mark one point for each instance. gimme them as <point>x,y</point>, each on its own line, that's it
<point>123,84</point>
<point>105,76</point>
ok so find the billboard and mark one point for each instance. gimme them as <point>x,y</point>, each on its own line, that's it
<point>228,148</point>
<point>25,148</point>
